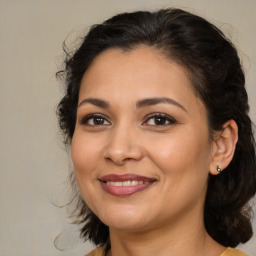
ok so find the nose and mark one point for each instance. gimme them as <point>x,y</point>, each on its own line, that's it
<point>123,145</point>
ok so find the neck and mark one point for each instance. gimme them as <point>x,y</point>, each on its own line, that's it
<point>187,238</point>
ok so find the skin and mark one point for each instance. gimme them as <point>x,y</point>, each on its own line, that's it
<point>167,217</point>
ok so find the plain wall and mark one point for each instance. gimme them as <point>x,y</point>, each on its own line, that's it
<point>34,166</point>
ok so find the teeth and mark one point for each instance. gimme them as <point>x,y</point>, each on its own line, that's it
<point>126,183</point>
<point>134,182</point>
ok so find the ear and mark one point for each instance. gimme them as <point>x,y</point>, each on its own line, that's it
<point>224,146</point>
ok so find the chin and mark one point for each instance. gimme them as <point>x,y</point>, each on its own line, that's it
<point>125,219</point>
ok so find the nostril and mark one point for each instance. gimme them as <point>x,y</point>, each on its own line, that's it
<point>121,153</point>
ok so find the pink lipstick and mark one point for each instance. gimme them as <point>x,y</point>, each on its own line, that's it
<point>126,184</point>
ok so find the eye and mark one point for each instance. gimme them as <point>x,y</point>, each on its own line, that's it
<point>95,120</point>
<point>159,119</point>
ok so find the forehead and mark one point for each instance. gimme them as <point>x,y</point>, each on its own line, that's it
<point>143,68</point>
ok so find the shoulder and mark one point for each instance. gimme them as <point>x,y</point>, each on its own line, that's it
<point>233,252</point>
<point>100,251</point>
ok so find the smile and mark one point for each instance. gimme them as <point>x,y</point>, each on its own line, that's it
<point>125,185</point>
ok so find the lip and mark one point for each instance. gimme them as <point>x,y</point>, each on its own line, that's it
<point>123,191</point>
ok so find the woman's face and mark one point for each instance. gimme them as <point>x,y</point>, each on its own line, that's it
<point>141,147</point>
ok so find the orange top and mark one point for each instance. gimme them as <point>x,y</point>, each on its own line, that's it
<point>228,252</point>
<point>232,252</point>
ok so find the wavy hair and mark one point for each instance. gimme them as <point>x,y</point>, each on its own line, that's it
<point>217,78</point>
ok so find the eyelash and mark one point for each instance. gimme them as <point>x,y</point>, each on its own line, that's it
<point>86,119</point>
<point>160,116</point>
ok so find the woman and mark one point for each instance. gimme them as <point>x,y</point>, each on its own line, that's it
<point>156,113</point>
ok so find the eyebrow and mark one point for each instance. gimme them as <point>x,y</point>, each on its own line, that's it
<point>140,104</point>
<point>96,102</point>
<point>154,101</point>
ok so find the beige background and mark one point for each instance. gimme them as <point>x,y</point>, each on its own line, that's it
<point>34,165</point>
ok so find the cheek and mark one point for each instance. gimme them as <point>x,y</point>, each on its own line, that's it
<point>184,166</point>
<point>84,155</point>
<point>182,154</point>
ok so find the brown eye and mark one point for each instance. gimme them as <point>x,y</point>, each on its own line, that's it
<point>94,120</point>
<point>98,121</point>
<point>159,119</point>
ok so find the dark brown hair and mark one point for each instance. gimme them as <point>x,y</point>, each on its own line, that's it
<point>218,79</point>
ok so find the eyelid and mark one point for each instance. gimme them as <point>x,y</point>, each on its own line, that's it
<point>170,119</point>
<point>86,118</point>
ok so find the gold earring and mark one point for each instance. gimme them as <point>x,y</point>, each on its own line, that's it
<point>219,169</point>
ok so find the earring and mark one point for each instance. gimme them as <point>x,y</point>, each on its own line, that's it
<point>219,169</point>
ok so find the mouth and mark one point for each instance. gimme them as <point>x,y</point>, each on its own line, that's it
<point>125,185</point>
